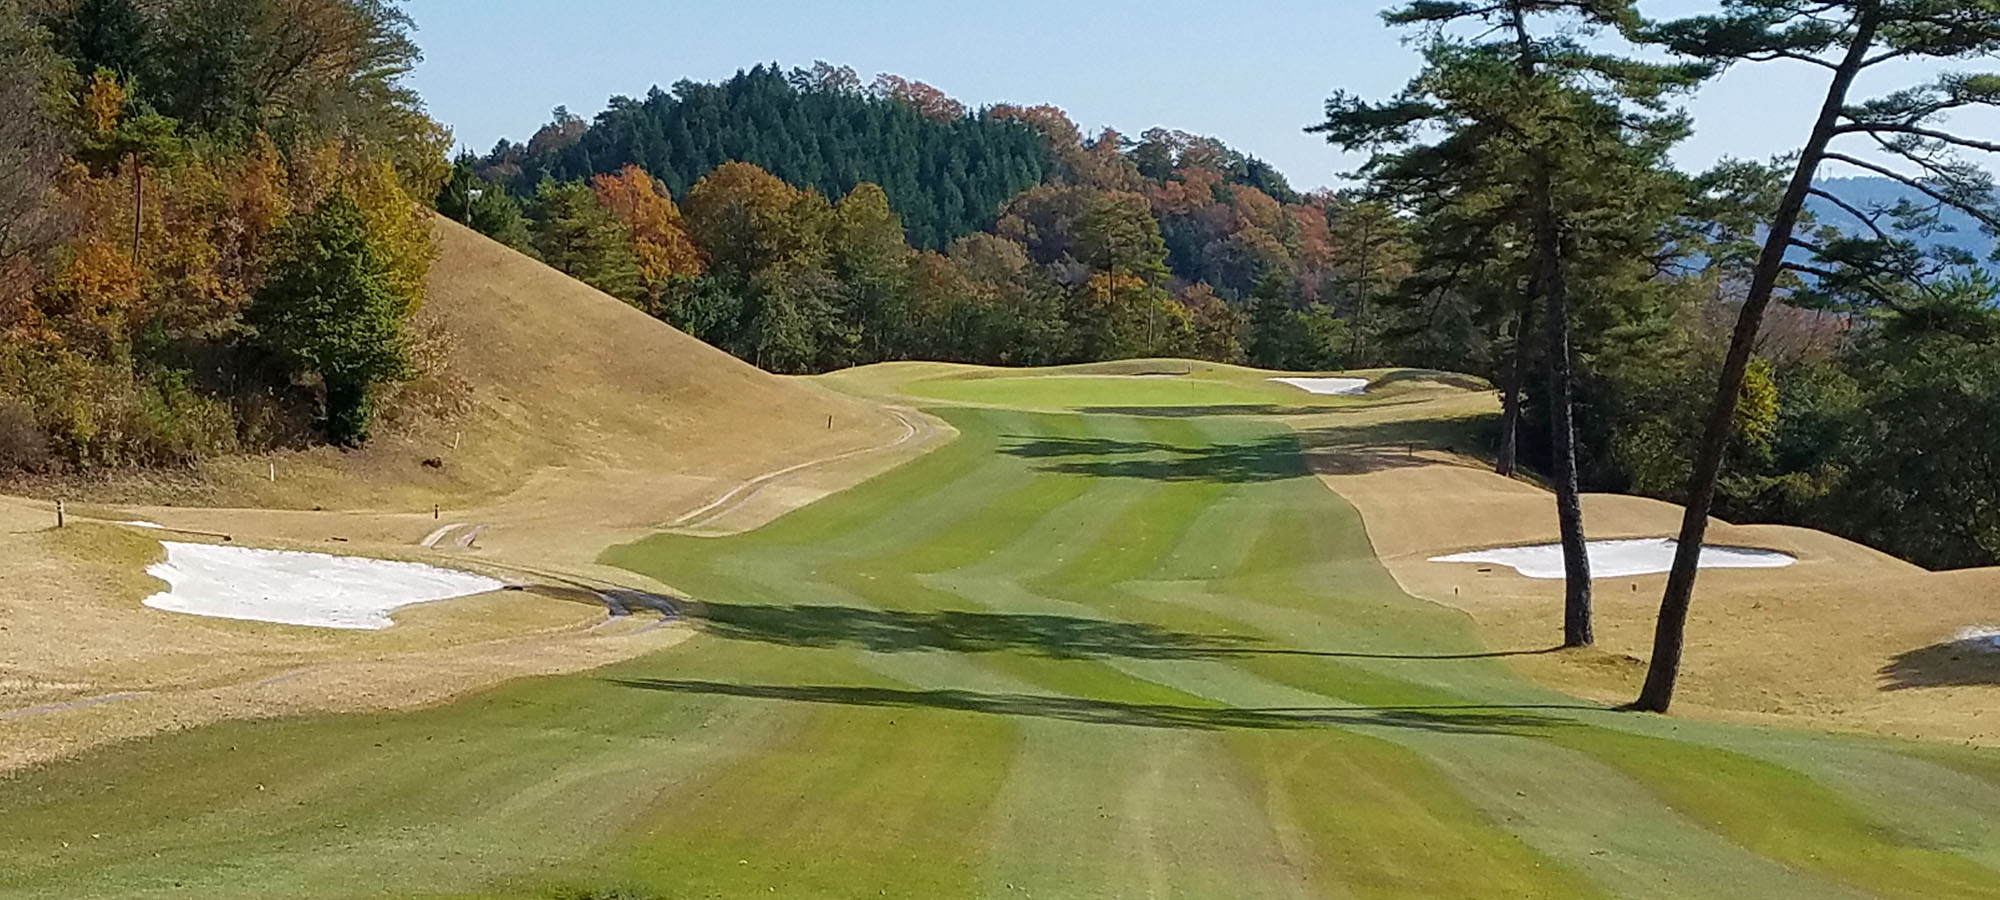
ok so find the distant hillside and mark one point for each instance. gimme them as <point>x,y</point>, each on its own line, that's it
<point>1867,193</point>
<point>946,171</point>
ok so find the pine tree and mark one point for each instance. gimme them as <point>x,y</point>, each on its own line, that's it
<point>944,177</point>
<point>1847,39</point>
<point>1544,115</point>
<point>577,236</point>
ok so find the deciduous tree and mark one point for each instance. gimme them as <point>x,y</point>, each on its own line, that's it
<point>873,264</point>
<point>331,307</point>
<point>744,220</point>
<point>666,256</point>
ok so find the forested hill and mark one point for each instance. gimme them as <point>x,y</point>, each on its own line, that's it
<point>945,170</point>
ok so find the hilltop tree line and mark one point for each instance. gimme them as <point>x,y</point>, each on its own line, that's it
<point>944,169</point>
<point>1170,244</point>
<point>212,225</point>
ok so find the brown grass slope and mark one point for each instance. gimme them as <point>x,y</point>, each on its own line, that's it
<point>529,369</point>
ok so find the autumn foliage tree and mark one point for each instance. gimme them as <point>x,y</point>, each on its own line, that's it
<point>929,102</point>
<point>747,219</point>
<point>175,142</point>
<point>665,255</point>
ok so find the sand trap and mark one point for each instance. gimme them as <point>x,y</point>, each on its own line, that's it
<point>138,523</point>
<point>1344,386</point>
<point>1617,559</point>
<point>1984,638</point>
<point>293,588</point>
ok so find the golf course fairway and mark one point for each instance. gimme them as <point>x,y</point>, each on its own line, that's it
<point>1066,655</point>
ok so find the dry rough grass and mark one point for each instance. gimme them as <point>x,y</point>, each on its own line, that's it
<point>557,376</point>
<point>1848,638</point>
<point>566,421</point>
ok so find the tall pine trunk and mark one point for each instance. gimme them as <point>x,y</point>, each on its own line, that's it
<point>1510,397</point>
<point>1670,632</point>
<point>1554,288</point>
<point>1577,627</point>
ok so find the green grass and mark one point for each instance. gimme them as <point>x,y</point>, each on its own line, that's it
<point>1067,655</point>
<point>1066,392</point>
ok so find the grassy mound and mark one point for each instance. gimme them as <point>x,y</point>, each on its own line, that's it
<point>528,369</point>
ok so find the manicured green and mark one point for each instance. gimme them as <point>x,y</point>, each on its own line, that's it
<point>1066,655</point>
<point>1117,392</point>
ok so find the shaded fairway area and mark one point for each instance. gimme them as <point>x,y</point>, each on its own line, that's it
<point>1066,656</point>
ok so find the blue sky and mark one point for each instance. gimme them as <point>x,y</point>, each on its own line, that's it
<point>1251,73</point>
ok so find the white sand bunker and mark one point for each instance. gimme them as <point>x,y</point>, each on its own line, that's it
<point>1344,386</point>
<point>1617,559</point>
<point>1984,638</point>
<point>293,588</point>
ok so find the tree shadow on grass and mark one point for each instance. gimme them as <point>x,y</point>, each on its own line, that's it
<point>1961,663</point>
<point>1363,448</point>
<point>1196,412</point>
<point>895,631</point>
<point>1436,376</point>
<point>1274,458</point>
<point>1053,636</point>
<point>1335,449</point>
<point>1449,719</point>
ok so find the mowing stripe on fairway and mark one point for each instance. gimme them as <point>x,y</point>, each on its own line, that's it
<point>1066,655</point>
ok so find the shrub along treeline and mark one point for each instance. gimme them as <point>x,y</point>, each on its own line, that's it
<point>214,225</point>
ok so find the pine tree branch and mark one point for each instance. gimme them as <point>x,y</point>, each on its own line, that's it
<point>1883,57</point>
<point>1969,209</point>
<point>1878,129</point>
<point>1864,218</point>
<point>1868,285</point>
<point>1773,55</point>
